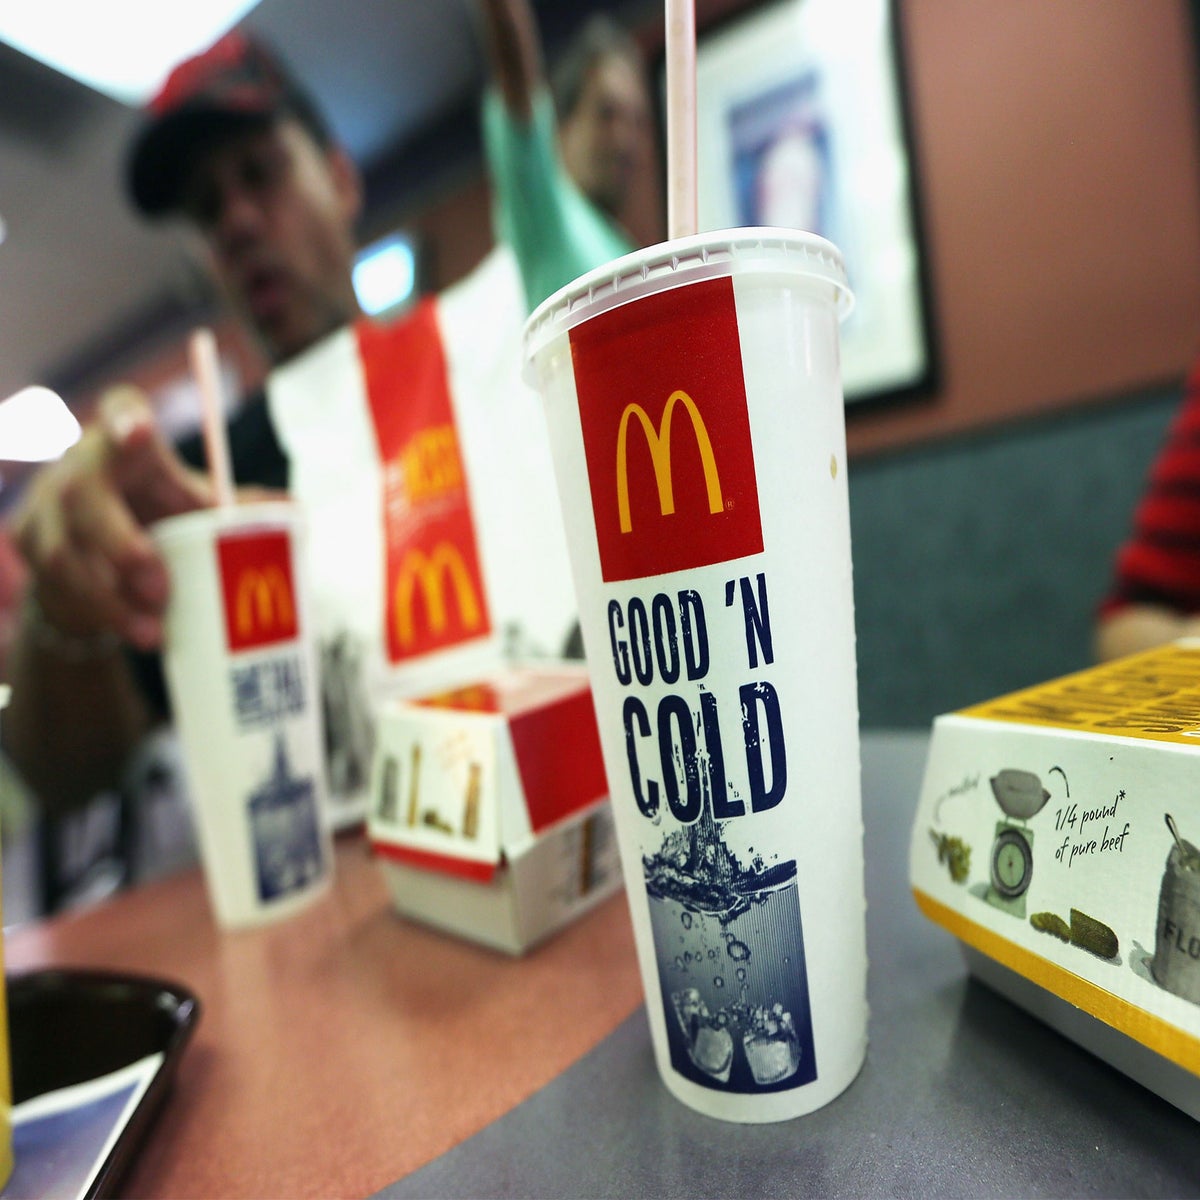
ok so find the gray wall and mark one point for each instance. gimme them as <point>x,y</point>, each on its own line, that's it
<point>979,561</point>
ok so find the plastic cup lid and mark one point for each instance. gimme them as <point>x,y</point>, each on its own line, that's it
<point>751,251</point>
<point>205,522</point>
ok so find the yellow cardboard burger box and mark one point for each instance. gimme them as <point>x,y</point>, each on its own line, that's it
<point>489,812</point>
<point>1057,836</point>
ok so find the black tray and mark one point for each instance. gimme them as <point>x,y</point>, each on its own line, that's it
<point>69,1026</point>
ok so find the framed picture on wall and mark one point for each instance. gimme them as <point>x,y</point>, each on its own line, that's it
<point>802,122</point>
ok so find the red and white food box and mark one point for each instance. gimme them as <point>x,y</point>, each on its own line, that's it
<point>489,812</point>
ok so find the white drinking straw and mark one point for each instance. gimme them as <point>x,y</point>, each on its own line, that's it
<point>681,118</point>
<point>202,348</point>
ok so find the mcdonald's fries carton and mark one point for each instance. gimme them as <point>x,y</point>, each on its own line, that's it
<point>436,544</point>
<point>1056,837</point>
<point>490,815</point>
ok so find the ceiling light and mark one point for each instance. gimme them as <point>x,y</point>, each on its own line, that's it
<point>124,48</point>
<point>36,426</point>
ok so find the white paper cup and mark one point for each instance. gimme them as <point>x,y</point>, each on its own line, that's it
<point>241,672</point>
<point>693,393</point>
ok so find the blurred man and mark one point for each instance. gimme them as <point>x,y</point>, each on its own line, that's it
<point>236,147</point>
<point>233,144</point>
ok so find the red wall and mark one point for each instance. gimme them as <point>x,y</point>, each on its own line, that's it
<point>1058,164</point>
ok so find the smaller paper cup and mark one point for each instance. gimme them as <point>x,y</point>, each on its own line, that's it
<point>241,673</point>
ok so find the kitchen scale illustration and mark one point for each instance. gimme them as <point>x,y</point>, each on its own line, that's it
<point>1021,796</point>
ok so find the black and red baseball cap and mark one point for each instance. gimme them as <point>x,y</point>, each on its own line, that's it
<point>236,83</point>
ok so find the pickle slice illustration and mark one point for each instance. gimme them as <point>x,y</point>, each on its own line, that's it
<point>955,853</point>
<point>1093,935</point>
<point>1085,932</point>
<point>1052,923</point>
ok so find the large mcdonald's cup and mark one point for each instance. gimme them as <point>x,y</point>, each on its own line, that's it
<point>242,675</point>
<point>694,400</point>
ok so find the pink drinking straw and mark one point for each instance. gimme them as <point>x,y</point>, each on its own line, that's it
<point>681,118</point>
<point>202,349</point>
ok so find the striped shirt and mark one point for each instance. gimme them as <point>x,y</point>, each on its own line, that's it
<point>1160,563</point>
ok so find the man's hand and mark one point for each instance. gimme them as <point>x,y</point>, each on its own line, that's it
<point>82,526</point>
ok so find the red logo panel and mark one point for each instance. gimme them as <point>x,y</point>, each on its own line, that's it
<point>666,432</point>
<point>435,596</point>
<point>257,589</point>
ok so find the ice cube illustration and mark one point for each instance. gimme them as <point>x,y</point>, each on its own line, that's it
<point>688,1008</point>
<point>709,1045</point>
<point>771,1045</point>
<point>712,1052</point>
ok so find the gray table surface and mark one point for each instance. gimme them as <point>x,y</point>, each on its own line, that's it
<point>962,1094</point>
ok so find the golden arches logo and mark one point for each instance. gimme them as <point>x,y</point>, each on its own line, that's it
<point>430,572</point>
<point>263,604</point>
<point>659,442</point>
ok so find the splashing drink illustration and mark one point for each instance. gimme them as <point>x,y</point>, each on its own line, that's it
<point>730,950</point>
<point>694,403</point>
